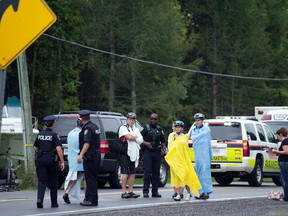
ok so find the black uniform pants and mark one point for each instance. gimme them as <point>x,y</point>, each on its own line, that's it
<point>47,172</point>
<point>91,168</point>
<point>151,164</point>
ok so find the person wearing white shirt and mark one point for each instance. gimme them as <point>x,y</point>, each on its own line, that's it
<point>128,161</point>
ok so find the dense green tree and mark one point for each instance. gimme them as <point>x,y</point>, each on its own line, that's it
<point>233,40</point>
<point>147,30</point>
<point>86,66</point>
<point>53,66</point>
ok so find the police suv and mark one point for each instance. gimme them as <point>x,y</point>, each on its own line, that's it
<point>108,123</point>
<point>241,147</point>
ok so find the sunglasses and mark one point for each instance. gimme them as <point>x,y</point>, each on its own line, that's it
<point>154,119</point>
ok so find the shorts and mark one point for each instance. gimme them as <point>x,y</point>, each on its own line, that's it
<point>127,166</point>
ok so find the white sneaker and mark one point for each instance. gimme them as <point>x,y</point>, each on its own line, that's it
<point>188,197</point>
<point>177,198</point>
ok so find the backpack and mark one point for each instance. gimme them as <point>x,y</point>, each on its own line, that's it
<point>119,146</point>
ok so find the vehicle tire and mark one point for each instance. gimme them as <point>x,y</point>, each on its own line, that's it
<point>277,181</point>
<point>115,177</point>
<point>255,179</point>
<point>101,182</point>
<point>224,180</point>
<point>164,173</point>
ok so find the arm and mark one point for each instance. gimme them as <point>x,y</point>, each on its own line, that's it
<point>60,154</point>
<point>58,144</point>
<point>139,139</point>
<point>284,152</point>
<point>83,151</point>
<point>123,131</point>
<point>148,145</point>
<point>163,141</point>
<point>131,136</point>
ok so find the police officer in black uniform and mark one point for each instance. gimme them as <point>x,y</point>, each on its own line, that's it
<point>48,149</point>
<point>90,155</point>
<point>154,141</point>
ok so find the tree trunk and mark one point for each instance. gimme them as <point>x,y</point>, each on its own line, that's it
<point>33,74</point>
<point>133,88</point>
<point>58,104</point>
<point>214,81</point>
<point>112,71</point>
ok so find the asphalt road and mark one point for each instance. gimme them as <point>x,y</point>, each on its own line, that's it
<point>237,199</point>
<point>237,207</point>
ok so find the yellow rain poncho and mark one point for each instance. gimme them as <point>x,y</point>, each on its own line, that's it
<point>182,170</point>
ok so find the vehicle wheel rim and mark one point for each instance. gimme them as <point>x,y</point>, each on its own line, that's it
<point>259,174</point>
<point>119,175</point>
<point>162,173</point>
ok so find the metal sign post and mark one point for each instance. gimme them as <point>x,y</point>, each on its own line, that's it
<point>2,95</point>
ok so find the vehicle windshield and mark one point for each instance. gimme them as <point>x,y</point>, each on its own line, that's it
<point>63,125</point>
<point>276,125</point>
<point>11,112</point>
<point>223,132</point>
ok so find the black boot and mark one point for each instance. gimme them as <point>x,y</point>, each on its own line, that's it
<point>39,203</point>
<point>66,198</point>
<point>156,194</point>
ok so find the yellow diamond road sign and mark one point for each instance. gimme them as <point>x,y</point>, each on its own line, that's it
<point>21,23</point>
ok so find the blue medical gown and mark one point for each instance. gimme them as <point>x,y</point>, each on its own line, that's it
<point>201,138</point>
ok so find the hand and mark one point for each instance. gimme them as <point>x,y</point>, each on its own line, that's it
<point>275,151</point>
<point>79,159</point>
<point>148,145</point>
<point>164,151</point>
<point>62,166</point>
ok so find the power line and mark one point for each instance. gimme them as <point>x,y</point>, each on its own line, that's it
<point>164,65</point>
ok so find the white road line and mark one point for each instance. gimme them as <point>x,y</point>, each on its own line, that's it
<point>97,209</point>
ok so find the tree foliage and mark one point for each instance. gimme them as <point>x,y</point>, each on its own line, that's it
<point>234,38</point>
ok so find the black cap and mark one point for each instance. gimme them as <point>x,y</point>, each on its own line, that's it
<point>49,118</point>
<point>84,113</point>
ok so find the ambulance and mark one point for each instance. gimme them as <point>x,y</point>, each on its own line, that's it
<point>275,117</point>
<point>242,148</point>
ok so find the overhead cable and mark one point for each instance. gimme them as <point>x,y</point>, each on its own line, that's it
<point>164,65</point>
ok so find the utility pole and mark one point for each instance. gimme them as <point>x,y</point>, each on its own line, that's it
<point>27,113</point>
<point>2,95</point>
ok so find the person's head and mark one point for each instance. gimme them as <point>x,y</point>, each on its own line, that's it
<point>79,122</point>
<point>199,118</point>
<point>131,118</point>
<point>84,115</point>
<point>179,126</point>
<point>153,119</point>
<point>49,121</point>
<point>281,133</point>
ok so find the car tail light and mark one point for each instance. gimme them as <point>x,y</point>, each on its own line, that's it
<point>246,149</point>
<point>266,117</point>
<point>104,147</point>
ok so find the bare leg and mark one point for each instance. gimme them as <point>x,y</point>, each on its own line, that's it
<point>131,180</point>
<point>178,190</point>
<point>187,188</point>
<point>70,185</point>
<point>124,178</point>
